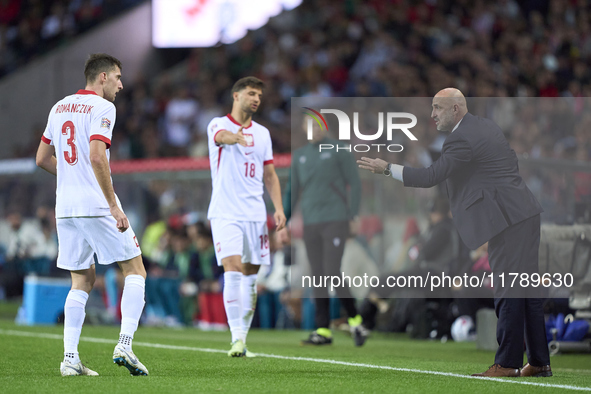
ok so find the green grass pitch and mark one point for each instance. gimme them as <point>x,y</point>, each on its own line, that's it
<point>179,363</point>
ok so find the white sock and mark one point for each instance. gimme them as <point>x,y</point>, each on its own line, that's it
<point>132,305</point>
<point>248,293</point>
<point>232,303</point>
<point>74,314</point>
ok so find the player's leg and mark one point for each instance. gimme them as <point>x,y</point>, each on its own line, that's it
<point>233,302</point>
<point>75,255</point>
<point>248,289</point>
<point>314,250</point>
<point>256,253</point>
<point>75,311</point>
<point>132,305</point>
<point>112,246</point>
<point>74,314</point>
<point>228,238</point>
<point>334,236</point>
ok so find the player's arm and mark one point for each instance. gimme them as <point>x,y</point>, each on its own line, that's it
<point>100,166</point>
<point>45,158</point>
<point>225,137</point>
<point>455,155</point>
<point>274,188</point>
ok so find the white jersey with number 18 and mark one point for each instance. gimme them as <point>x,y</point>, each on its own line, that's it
<point>73,122</point>
<point>237,171</point>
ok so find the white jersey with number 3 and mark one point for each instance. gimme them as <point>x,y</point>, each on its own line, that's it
<point>73,122</point>
<point>237,171</point>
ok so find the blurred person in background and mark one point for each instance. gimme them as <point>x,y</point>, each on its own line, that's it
<point>181,114</point>
<point>167,271</point>
<point>156,239</point>
<point>397,258</point>
<point>273,280</point>
<point>435,251</point>
<point>109,283</point>
<point>329,188</point>
<point>206,278</point>
<point>439,247</point>
<point>468,300</point>
<point>29,248</point>
<point>45,247</point>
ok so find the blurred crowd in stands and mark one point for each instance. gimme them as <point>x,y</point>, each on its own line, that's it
<point>30,28</point>
<point>26,245</point>
<point>351,48</point>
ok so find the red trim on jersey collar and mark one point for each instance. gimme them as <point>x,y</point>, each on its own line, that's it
<point>82,91</point>
<point>234,121</point>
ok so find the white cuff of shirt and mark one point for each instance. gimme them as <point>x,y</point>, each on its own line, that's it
<point>396,171</point>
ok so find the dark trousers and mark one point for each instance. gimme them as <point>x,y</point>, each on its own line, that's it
<point>520,315</point>
<point>325,244</point>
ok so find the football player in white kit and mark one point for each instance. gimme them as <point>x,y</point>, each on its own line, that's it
<point>89,215</point>
<point>241,160</point>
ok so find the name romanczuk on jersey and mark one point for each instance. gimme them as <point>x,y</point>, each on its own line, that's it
<point>74,108</point>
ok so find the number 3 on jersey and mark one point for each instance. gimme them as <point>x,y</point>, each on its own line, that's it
<point>71,157</point>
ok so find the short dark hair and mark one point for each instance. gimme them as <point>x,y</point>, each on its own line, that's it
<point>248,82</point>
<point>98,63</point>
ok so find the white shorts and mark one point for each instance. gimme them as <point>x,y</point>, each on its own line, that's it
<point>247,239</point>
<point>79,238</point>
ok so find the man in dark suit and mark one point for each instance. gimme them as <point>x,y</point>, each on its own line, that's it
<point>489,202</point>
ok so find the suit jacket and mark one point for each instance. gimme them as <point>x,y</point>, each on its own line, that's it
<point>485,190</point>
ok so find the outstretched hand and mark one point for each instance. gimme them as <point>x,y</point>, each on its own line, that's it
<point>377,166</point>
<point>240,137</point>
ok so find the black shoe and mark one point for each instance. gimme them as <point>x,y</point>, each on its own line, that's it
<point>317,339</point>
<point>360,335</point>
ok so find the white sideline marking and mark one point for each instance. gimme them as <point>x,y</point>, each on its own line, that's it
<point>587,371</point>
<point>316,360</point>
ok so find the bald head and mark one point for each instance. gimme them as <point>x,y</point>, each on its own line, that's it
<point>449,107</point>
<point>452,93</point>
